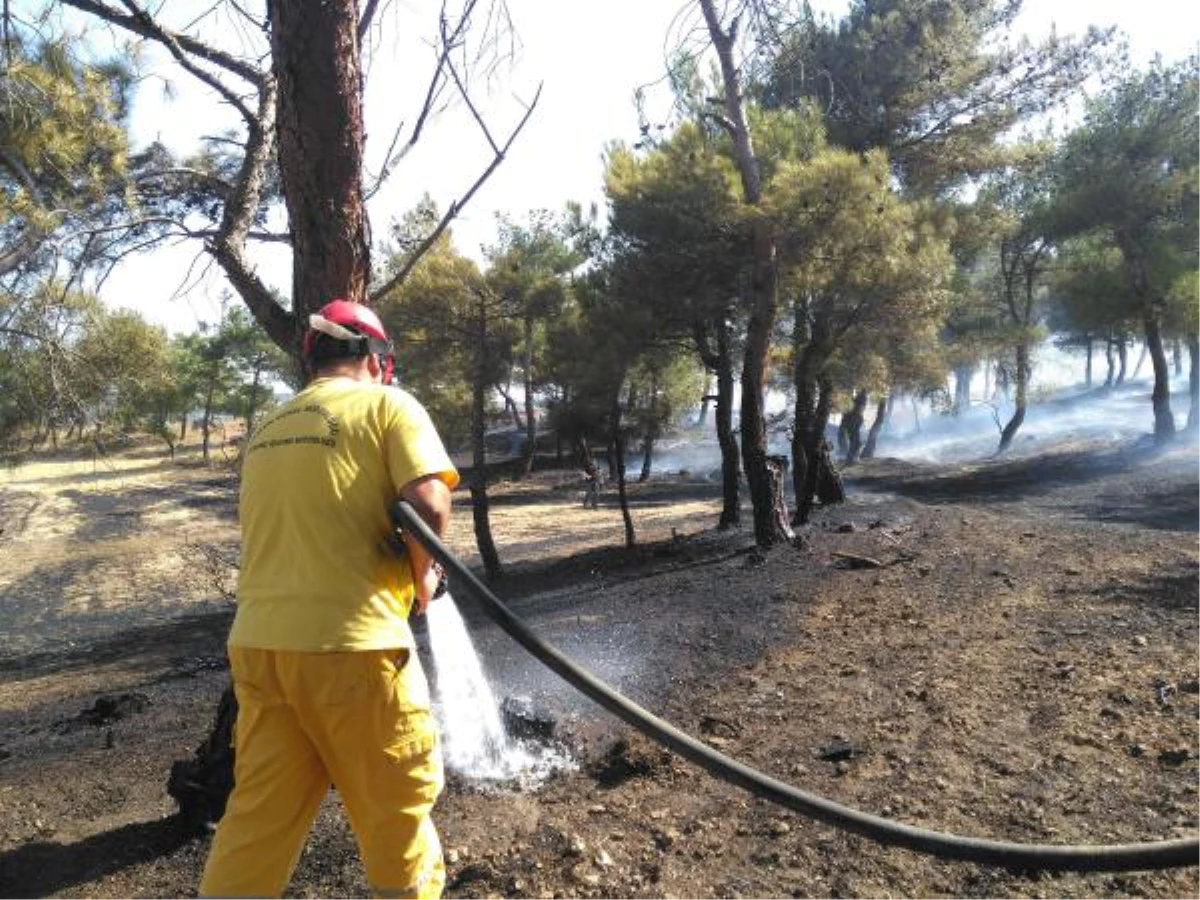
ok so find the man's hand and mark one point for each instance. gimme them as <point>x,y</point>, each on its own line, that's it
<point>430,498</point>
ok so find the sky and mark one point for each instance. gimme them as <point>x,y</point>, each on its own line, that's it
<point>588,56</point>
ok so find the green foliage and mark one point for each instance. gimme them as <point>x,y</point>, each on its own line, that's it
<point>69,362</point>
<point>63,152</point>
<point>1130,172</point>
<point>873,268</point>
<point>1089,291</point>
<point>449,331</point>
<point>935,85</point>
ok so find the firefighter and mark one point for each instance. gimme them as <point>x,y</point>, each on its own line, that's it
<point>324,665</point>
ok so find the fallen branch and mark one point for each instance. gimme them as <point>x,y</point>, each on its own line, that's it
<point>853,561</point>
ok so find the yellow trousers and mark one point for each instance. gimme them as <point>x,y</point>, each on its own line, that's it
<point>360,721</point>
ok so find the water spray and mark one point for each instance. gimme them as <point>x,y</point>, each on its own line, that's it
<point>475,742</point>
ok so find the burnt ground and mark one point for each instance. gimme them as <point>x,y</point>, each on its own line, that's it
<point>1005,649</point>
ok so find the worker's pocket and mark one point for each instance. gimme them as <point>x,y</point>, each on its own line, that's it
<point>409,687</point>
<point>408,725</point>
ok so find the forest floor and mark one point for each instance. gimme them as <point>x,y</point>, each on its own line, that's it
<point>1003,649</point>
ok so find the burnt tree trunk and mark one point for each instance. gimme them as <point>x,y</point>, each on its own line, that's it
<point>1021,400</point>
<point>853,423</point>
<point>713,344</point>
<point>821,479</point>
<point>201,785</point>
<point>881,410</point>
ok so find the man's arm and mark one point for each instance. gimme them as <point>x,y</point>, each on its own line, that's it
<point>430,499</point>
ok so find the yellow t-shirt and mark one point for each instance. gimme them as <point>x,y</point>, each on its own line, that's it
<point>318,477</point>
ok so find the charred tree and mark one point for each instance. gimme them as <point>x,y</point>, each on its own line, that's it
<point>852,423</point>
<point>1020,401</point>
<point>713,344</point>
<point>881,409</point>
<point>201,785</point>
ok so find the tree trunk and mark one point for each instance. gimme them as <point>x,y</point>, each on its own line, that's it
<point>853,423</point>
<point>1122,359</point>
<point>618,447</point>
<point>881,411</point>
<point>315,56</point>
<point>252,405</point>
<point>480,507</point>
<point>707,396</point>
<point>962,388</point>
<point>1160,397</point>
<point>510,406</point>
<point>1087,379</point>
<point>530,411</point>
<point>201,785</point>
<point>1137,368</point>
<point>821,479</point>
<point>647,456</point>
<point>804,411</point>
<point>763,290</point>
<point>718,358</point>
<point>1018,416</point>
<point>1109,361</point>
<point>1193,345</point>
<point>206,422</point>
<point>731,513</point>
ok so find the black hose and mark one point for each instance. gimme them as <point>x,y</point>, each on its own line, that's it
<point>1028,857</point>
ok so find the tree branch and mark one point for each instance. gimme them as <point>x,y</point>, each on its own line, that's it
<point>457,206</point>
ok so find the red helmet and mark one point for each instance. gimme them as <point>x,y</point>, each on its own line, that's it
<point>354,326</point>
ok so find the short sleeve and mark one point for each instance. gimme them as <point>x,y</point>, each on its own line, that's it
<point>414,447</point>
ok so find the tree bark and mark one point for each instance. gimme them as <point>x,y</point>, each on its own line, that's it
<point>853,424</point>
<point>1160,397</point>
<point>719,360</point>
<point>821,479</point>
<point>618,445</point>
<point>315,54</point>
<point>530,411</point>
<point>731,511</point>
<point>962,388</point>
<point>764,287</point>
<point>1021,400</point>
<point>647,456</point>
<point>881,409</point>
<point>480,506</point>
<point>1193,345</point>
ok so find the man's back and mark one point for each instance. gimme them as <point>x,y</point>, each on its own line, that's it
<point>317,480</point>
